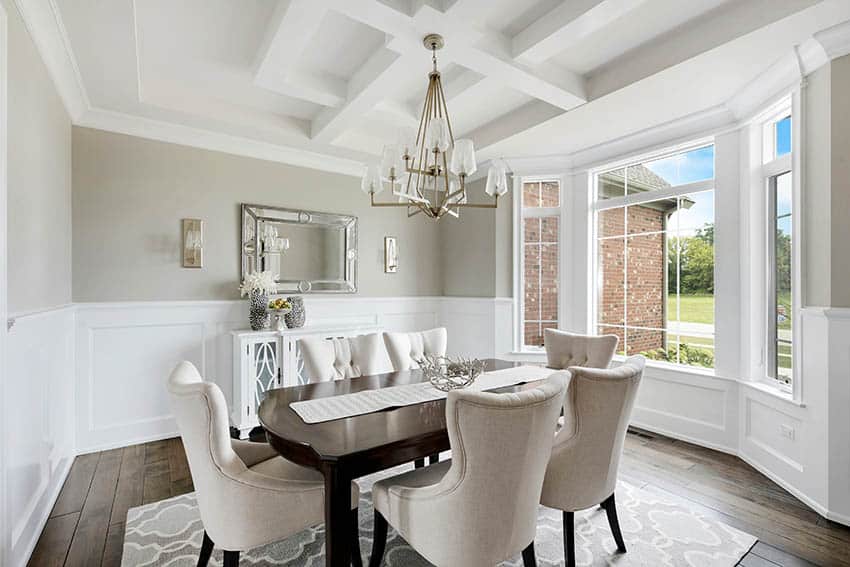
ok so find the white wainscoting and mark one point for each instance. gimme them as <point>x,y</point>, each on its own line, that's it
<point>38,422</point>
<point>691,406</point>
<point>125,351</point>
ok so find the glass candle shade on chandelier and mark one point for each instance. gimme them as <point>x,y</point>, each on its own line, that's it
<point>427,169</point>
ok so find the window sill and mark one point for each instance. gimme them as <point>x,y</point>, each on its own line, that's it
<point>670,367</point>
<point>773,390</point>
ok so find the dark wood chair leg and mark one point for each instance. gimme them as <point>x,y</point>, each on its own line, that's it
<point>356,558</point>
<point>569,539</point>
<point>529,559</point>
<point>614,522</point>
<point>206,550</point>
<point>419,463</point>
<point>379,540</point>
<point>231,559</point>
<point>434,459</point>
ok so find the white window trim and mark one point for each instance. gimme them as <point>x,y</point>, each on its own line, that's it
<point>600,205</point>
<point>519,258</point>
<point>763,126</point>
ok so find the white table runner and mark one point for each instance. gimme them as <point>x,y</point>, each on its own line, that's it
<point>369,401</point>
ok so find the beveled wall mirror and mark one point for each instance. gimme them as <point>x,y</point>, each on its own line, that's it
<point>313,252</point>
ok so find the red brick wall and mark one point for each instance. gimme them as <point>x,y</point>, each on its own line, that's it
<point>644,272</point>
<point>540,259</point>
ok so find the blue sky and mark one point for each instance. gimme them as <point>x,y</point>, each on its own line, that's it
<point>689,167</point>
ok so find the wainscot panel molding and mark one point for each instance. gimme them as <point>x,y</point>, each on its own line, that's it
<point>38,422</point>
<point>125,351</point>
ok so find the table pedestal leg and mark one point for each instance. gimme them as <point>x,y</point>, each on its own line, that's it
<point>337,517</point>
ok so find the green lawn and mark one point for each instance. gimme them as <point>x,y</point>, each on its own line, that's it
<point>692,308</point>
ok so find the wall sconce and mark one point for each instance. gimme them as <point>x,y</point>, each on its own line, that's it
<point>193,243</point>
<point>390,255</point>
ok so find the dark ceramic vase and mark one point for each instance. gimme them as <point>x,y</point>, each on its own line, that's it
<point>295,318</point>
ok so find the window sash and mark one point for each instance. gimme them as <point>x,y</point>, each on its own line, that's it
<point>649,196</point>
<point>773,340</point>
<point>531,213</point>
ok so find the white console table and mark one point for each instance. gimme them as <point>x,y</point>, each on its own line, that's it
<point>263,360</point>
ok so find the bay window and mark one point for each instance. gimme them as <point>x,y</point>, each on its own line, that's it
<point>780,262</point>
<point>539,260</point>
<point>654,261</point>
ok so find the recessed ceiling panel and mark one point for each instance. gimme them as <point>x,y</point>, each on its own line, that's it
<point>340,47</point>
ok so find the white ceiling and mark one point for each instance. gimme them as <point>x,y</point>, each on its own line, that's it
<point>337,78</point>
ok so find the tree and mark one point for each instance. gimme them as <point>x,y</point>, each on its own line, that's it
<point>695,258</point>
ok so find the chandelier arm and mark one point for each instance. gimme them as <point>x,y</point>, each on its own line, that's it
<point>420,185</point>
<point>492,205</point>
<point>448,120</point>
<point>448,186</point>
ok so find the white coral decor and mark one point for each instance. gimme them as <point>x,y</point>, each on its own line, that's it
<point>259,281</point>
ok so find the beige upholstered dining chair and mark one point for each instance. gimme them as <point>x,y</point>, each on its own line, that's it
<point>565,349</point>
<point>480,508</point>
<point>407,349</point>
<point>247,495</point>
<point>327,359</point>
<point>582,471</point>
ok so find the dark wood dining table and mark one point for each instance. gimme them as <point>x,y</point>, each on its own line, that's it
<point>346,449</point>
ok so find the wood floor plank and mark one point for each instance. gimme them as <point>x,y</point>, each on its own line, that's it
<point>90,536</point>
<point>55,539</point>
<point>114,547</point>
<point>130,486</point>
<point>76,487</point>
<point>778,556</point>
<point>103,486</point>
<point>157,481</point>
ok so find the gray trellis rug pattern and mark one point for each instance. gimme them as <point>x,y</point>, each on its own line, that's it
<point>659,529</point>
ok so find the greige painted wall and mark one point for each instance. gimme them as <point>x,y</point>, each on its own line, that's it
<point>476,248</point>
<point>130,194</point>
<point>816,192</point>
<point>827,185</point>
<point>39,179</point>
<point>840,151</point>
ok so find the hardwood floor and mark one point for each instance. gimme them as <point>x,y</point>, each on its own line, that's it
<point>86,526</point>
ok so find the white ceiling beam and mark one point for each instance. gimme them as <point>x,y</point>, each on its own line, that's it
<point>554,85</point>
<point>292,27</point>
<point>566,25</point>
<point>515,122</point>
<point>375,81</point>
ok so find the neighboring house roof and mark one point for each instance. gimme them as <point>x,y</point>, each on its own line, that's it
<point>641,179</point>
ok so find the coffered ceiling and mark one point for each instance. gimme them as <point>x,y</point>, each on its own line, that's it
<point>326,83</point>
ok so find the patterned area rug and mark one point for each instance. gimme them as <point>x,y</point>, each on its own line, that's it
<point>659,529</point>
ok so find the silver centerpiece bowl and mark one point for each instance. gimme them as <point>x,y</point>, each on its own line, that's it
<point>447,374</point>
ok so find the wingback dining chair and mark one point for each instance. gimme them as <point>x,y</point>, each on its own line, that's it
<point>247,495</point>
<point>407,349</point>
<point>480,508</point>
<point>582,471</point>
<point>335,358</point>
<point>565,349</point>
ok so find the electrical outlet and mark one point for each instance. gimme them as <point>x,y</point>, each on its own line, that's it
<point>787,431</point>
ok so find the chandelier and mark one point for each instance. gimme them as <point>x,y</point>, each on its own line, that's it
<point>427,170</point>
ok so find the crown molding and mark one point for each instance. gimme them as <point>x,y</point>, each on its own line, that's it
<point>216,141</point>
<point>835,40</point>
<point>778,79</point>
<point>47,31</point>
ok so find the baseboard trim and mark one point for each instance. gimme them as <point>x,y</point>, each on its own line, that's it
<point>685,438</point>
<point>53,496</point>
<point>808,501</point>
<point>127,443</point>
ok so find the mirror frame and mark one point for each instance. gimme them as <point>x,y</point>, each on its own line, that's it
<point>251,215</point>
